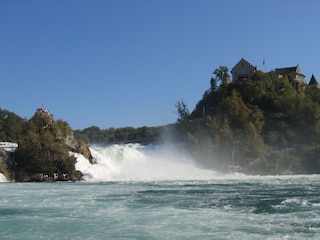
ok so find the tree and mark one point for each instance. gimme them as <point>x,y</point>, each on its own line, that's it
<point>220,74</point>
<point>10,126</point>
<point>182,111</point>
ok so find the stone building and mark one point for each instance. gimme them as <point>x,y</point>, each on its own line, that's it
<point>294,71</point>
<point>243,70</point>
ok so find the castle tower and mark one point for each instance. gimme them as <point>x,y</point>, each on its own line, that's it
<point>313,81</point>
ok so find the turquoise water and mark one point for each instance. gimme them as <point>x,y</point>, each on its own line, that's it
<point>238,207</point>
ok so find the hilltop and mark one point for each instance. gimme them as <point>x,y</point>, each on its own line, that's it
<point>268,123</point>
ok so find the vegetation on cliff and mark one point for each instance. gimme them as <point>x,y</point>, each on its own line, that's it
<point>43,145</point>
<point>268,125</point>
<point>10,126</point>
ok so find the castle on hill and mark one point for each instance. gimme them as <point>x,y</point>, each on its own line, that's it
<point>244,70</point>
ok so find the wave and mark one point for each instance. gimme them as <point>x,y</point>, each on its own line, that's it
<point>134,162</point>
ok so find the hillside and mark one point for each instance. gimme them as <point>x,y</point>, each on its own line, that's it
<point>269,125</point>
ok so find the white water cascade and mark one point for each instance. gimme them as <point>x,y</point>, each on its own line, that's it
<point>133,162</point>
<point>2,178</point>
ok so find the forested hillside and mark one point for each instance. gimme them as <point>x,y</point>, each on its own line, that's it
<point>95,135</point>
<point>268,125</point>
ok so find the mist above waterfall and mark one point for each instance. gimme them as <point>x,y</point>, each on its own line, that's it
<point>139,162</point>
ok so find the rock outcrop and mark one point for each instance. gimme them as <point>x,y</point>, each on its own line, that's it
<point>7,164</point>
<point>78,147</point>
<point>83,149</point>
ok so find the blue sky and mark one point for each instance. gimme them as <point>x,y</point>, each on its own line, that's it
<point>118,63</point>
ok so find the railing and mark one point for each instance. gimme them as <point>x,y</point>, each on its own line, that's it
<point>9,146</point>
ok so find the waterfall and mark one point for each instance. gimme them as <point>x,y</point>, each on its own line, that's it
<point>134,162</point>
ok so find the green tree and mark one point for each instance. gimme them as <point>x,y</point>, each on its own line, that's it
<point>182,111</point>
<point>10,126</point>
<point>220,75</point>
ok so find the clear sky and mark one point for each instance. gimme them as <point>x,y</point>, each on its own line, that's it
<point>118,63</point>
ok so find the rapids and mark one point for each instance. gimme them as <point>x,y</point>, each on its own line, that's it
<point>250,208</point>
<point>158,192</point>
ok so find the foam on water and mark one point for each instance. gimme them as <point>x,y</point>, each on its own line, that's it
<point>222,208</point>
<point>138,162</point>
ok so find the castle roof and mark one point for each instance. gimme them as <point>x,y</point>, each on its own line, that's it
<point>313,80</point>
<point>288,70</point>
<point>241,62</point>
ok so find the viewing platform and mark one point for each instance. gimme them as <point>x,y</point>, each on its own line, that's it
<point>9,146</point>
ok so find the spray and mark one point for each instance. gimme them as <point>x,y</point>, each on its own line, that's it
<point>135,162</point>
